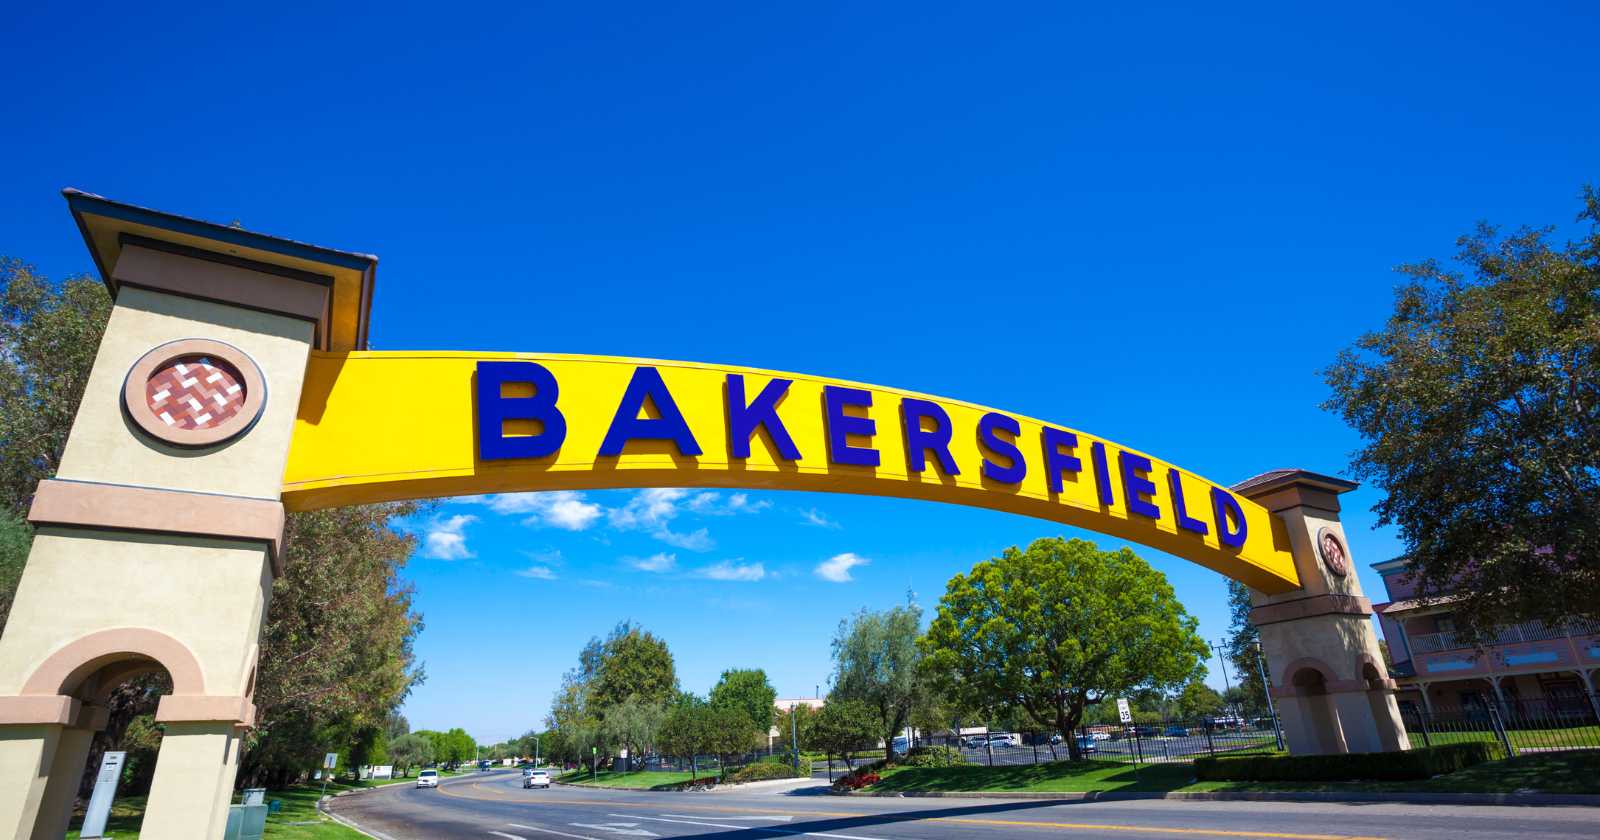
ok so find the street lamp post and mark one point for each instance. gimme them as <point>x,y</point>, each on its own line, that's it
<point>1223,661</point>
<point>1266,687</point>
<point>794,735</point>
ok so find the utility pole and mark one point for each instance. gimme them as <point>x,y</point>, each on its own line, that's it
<point>1223,661</point>
<point>794,735</point>
<point>1266,687</point>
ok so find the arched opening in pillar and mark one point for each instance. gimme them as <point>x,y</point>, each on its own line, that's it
<point>1317,711</point>
<point>117,706</point>
<point>1378,701</point>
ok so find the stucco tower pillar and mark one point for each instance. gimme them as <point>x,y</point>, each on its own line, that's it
<point>1329,681</point>
<point>157,542</point>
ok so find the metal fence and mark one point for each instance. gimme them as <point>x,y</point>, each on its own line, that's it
<point>1163,743</point>
<point>1520,727</point>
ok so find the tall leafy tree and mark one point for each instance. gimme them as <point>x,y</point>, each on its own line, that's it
<point>747,690</point>
<point>1241,650</point>
<point>634,724</point>
<point>1479,403</point>
<point>49,333</point>
<point>1057,627</point>
<point>687,732</point>
<point>877,662</point>
<point>633,663</point>
<point>842,728</point>
<point>411,750</point>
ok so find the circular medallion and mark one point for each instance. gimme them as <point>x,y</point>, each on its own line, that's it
<point>1331,549</point>
<point>194,392</point>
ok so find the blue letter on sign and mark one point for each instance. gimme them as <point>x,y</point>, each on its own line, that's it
<point>494,410</point>
<point>841,425</point>
<point>1224,507</point>
<point>626,424</point>
<point>1185,521</point>
<point>743,420</point>
<point>987,426</point>
<point>1135,486</point>
<point>1102,473</point>
<point>920,441</point>
<point>1055,461</point>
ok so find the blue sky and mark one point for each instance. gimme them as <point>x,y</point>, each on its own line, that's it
<point>1037,208</point>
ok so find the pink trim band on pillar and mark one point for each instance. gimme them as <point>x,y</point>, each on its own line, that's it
<point>175,708</point>
<point>37,710</point>
<point>1330,604</point>
<point>85,504</point>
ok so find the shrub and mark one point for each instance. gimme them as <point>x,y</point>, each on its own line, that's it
<point>932,757</point>
<point>857,781</point>
<point>1418,763</point>
<point>764,770</point>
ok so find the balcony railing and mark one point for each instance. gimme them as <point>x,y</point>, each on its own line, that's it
<point>1531,631</point>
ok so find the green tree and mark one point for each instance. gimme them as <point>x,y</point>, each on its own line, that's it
<point>1241,646</point>
<point>732,733</point>
<point>1198,700</point>
<point>411,750</point>
<point>1058,627</point>
<point>458,746</point>
<point>794,726</point>
<point>49,334</point>
<point>844,726</point>
<point>878,662</point>
<point>686,733</point>
<point>633,662</point>
<point>15,539</point>
<point>633,725</point>
<point>396,725</point>
<point>1479,403</point>
<point>747,690</point>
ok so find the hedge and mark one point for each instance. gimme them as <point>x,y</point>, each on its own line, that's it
<point>762,771</point>
<point>1416,763</point>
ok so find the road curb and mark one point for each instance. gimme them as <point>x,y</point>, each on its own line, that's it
<point>1585,799</point>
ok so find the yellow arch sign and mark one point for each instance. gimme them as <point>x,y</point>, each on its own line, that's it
<point>376,426</point>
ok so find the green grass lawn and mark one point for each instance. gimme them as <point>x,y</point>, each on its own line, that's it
<point>297,820</point>
<point>1572,772</point>
<point>1522,739</point>
<point>639,779</point>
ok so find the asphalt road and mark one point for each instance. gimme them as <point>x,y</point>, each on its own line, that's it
<point>495,807</point>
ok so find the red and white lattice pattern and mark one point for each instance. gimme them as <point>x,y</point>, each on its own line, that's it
<point>195,392</point>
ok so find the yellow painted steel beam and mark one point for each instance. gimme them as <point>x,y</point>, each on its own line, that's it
<point>380,426</point>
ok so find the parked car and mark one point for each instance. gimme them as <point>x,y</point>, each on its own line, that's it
<point>900,744</point>
<point>1100,736</point>
<point>974,742</point>
<point>1142,731</point>
<point>536,779</point>
<point>428,779</point>
<point>1002,740</point>
<point>1176,732</point>
<point>1086,744</point>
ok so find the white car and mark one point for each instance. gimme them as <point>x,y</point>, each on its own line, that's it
<point>428,778</point>
<point>535,779</point>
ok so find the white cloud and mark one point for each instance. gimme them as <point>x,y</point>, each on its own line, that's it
<point>653,510</point>
<point>445,538</point>
<point>734,570</point>
<point>696,540</point>
<point>564,509</point>
<point>708,503</point>
<point>812,516</point>
<point>837,568</point>
<point>538,573</point>
<point>661,562</point>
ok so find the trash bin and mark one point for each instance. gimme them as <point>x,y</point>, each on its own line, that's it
<point>246,822</point>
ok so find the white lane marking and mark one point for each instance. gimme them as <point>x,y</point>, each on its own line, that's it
<point>545,830</point>
<point>628,829</point>
<point>773,818</point>
<point>781,831</point>
<point>512,836</point>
